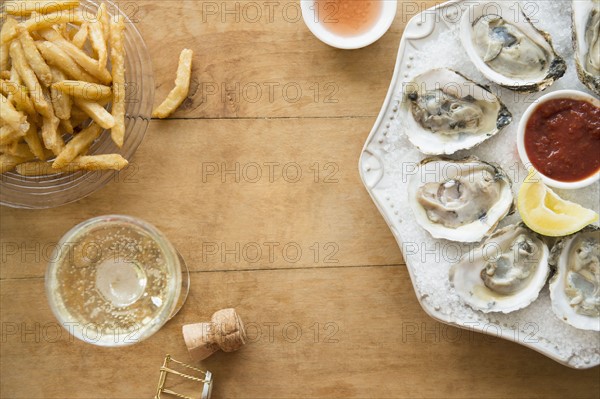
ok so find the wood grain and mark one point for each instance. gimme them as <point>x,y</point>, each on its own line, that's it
<point>270,66</point>
<point>373,341</point>
<point>363,333</point>
<point>183,179</point>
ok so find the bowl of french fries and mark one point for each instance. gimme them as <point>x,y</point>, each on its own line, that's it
<point>76,92</point>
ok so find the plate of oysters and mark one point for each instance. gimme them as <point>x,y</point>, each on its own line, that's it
<point>484,162</point>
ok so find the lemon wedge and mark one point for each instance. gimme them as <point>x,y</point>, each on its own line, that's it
<point>544,212</point>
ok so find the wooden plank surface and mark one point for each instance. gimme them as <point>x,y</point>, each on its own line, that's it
<point>363,333</point>
<point>241,185</point>
<point>373,340</point>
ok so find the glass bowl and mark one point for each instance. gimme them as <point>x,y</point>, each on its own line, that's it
<point>62,188</point>
<point>115,280</point>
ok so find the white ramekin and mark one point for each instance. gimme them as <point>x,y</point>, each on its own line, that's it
<point>317,27</point>
<point>567,94</point>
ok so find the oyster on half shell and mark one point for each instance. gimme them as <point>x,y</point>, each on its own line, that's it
<point>575,288</point>
<point>459,200</point>
<point>445,112</point>
<point>586,42</point>
<point>508,49</point>
<point>504,274</point>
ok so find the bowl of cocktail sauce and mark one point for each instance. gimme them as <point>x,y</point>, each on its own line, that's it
<point>348,24</point>
<point>559,136</point>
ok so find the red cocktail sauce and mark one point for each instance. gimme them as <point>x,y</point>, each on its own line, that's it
<point>562,139</point>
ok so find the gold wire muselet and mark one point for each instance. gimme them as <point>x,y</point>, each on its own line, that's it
<point>165,370</point>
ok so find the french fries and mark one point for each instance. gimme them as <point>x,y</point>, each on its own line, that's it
<point>34,58</point>
<point>84,162</point>
<point>81,36</point>
<point>8,135</point>
<point>61,101</point>
<point>97,112</point>
<point>99,162</point>
<point>181,89</point>
<point>58,58</point>
<point>19,96</point>
<point>14,119</point>
<point>8,162</point>
<point>84,90</point>
<point>90,65</point>
<point>9,30</point>
<point>52,83</point>
<point>20,150</point>
<point>74,147</point>
<point>26,73</point>
<point>25,8</point>
<point>117,52</point>
<point>104,19</point>
<point>44,21</point>
<point>33,141</point>
<point>52,139</point>
<point>98,41</point>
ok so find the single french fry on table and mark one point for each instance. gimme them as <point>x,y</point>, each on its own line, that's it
<point>77,144</point>
<point>181,89</point>
<point>117,58</point>
<point>97,112</point>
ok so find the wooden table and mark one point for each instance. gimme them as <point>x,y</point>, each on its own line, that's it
<point>329,305</point>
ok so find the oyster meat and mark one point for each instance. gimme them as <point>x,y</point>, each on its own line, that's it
<point>575,288</point>
<point>446,112</point>
<point>459,200</point>
<point>508,49</point>
<point>505,274</point>
<point>586,42</point>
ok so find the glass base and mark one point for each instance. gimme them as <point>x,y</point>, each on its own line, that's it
<point>185,286</point>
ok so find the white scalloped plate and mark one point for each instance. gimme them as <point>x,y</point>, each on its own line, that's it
<point>388,158</point>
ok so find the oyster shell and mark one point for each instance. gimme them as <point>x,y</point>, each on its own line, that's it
<point>508,49</point>
<point>575,288</point>
<point>446,112</point>
<point>459,200</point>
<point>586,42</point>
<point>504,274</point>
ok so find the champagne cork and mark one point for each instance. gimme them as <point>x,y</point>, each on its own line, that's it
<point>225,331</point>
